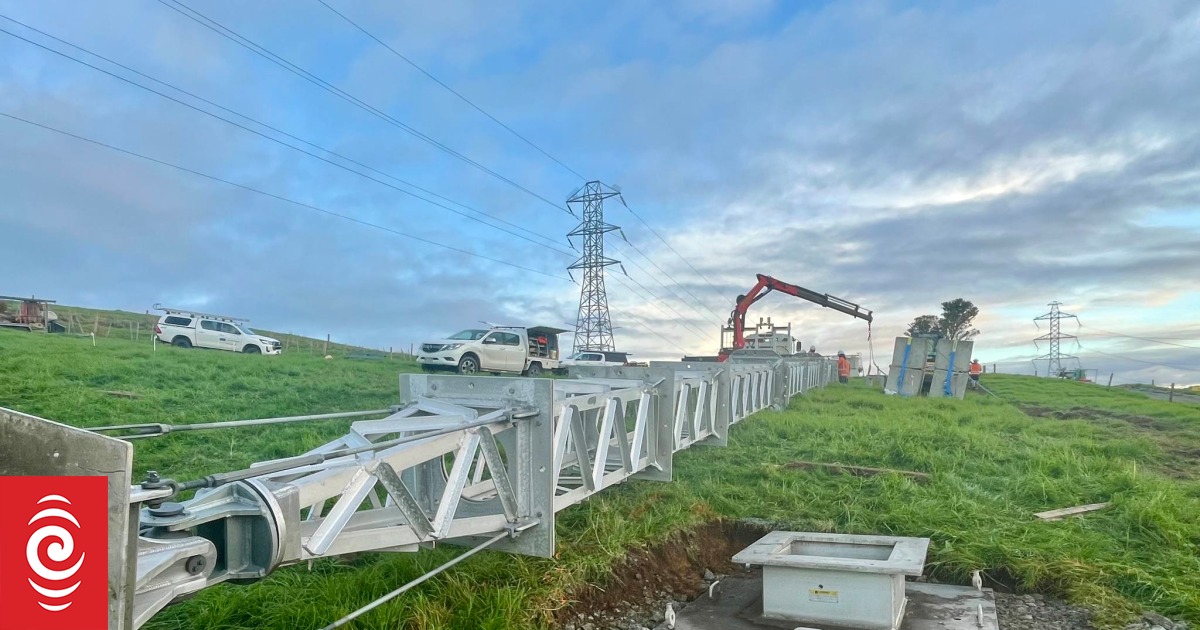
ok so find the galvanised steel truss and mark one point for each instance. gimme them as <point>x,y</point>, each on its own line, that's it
<point>484,461</point>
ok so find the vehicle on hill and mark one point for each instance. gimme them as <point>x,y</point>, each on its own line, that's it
<point>188,329</point>
<point>597,358</point>
<point>531,351</point>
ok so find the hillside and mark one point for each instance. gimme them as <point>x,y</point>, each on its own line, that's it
<point>1040,445</point>
<point>109,324</point>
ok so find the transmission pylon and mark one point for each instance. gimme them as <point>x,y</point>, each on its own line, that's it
<point>1054,357</point>
<point>593,327</point>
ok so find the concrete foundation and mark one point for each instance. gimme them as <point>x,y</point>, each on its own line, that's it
<point>835,579</point>
<point>737,605</point>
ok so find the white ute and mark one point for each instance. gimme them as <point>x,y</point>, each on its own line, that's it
<point>513,349</point>
<point>186,329</point>
<point>606,358</point>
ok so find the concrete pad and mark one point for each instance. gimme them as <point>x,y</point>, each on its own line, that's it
<point>738,606</point>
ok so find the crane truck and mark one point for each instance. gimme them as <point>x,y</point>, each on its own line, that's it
<point>767,284</point>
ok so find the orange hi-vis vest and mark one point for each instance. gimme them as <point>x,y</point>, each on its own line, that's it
<point>843,366</point>
<point>976,368</point>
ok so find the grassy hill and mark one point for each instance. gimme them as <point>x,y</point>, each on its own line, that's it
<point>1042,444</point>
<point>133,326</point>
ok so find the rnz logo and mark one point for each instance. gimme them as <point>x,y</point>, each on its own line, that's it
<point>54,553</point>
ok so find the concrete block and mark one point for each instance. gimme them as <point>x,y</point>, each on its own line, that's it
<point>850,581</point>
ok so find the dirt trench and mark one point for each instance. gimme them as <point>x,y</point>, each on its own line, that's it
<point>647,578</point>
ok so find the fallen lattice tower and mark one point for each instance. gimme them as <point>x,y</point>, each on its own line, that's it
<point>474,461</point>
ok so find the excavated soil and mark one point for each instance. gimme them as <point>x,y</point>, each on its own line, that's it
<point>1088,413</point>
<point>641,585</point>
<point>1183,454</point>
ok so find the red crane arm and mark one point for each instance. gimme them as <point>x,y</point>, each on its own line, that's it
<point>766,284</point>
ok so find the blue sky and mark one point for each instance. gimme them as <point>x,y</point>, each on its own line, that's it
<point>895,154</point>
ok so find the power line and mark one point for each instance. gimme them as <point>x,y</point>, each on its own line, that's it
<point>720,319</point>
<point>1165,365</point>
<point>450,89</point>
<point>673,250</point>
<point>265,53</point>
<point>277,197</point>
<point>655,303</point>
<point>1165,343</point>
<point>646,327</point>
<point>274,129</point>
<point>663,285</point>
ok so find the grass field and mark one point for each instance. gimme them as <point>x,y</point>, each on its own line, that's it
<point>115,325</point>
<point>993,465</point>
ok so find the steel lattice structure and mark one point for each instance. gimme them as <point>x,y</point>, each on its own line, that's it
<point>593,326</point>
<point>1054,357</point>
<point>461,460</point>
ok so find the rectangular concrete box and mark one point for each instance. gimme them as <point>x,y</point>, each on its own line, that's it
<point>836,579</point>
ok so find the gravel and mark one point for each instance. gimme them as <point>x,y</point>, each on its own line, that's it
<point>1038,612</point>
<point>1016,612</point>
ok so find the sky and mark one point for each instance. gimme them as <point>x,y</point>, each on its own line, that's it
<point>895,154</point>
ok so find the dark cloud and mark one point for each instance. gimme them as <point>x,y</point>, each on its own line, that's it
<point>1012,153</point>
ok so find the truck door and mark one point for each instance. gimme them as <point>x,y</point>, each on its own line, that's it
<point>209,335</point>
<point>492,356</point>
<point>233,337</point>
<point>514,352</point>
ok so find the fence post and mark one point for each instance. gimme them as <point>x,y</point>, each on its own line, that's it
<point>1171,397</point>
<point>389,352</point>
<point>326,353</point>
<point>1110,379</point>
<point>137,335</point>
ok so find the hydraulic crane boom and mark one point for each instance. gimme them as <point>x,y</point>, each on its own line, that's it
<point>767,284</point>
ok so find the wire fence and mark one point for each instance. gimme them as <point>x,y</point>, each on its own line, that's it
<point>138,327</point>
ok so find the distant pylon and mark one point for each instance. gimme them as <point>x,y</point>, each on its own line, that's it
<point>1054,358</point>
<point>593,327</point>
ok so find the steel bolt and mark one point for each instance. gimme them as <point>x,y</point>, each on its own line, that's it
<point>195,564</point>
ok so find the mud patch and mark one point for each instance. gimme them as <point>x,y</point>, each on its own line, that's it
<point>641,584</point>
<point>1088,413</point>
<point>1182,453</point>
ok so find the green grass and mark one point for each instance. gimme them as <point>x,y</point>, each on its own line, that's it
<point>118,325</point>
<point>993,466</point>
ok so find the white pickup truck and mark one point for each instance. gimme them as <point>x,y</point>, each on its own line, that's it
<point>514,349</point>
<point>185,329</point>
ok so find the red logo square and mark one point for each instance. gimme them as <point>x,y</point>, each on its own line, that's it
<point>54,553</point>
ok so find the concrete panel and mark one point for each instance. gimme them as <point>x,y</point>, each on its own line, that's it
<point>962,354</point>
<point>913,378</point>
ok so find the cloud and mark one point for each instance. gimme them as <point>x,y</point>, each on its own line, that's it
<point>897,156</point>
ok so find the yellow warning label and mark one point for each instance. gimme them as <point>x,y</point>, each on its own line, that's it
<point>818,595</point>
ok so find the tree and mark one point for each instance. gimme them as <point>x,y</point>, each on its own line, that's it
<point>923,325</point>
<point>956,319</point>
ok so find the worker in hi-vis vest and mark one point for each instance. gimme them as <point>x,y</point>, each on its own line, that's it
<point>843,368</point>
<point>976,370</point>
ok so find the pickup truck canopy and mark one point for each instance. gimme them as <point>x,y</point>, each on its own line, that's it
<point>545,330</point>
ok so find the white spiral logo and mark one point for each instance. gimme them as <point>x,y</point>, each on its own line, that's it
<point>59,551</point>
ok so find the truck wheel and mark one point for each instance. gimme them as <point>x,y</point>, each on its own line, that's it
<point>252,350</point>
<point>534,371</point>
<point>468,365</point>
<point>181,342</point>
